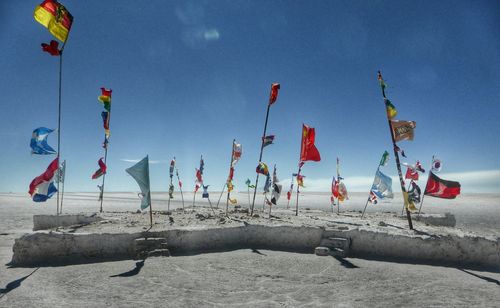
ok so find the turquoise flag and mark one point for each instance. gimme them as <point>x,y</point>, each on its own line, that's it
<point>140,173</point>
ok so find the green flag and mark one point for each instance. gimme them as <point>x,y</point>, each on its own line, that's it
<point>385,159</point>
<point>140,173</point>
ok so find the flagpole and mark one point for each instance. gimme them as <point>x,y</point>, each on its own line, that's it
<point>427,182</point>
<point>260,157</point>
<point>408,189</point>
<point>230,166</point>
<point>297,203</point>
<point>338,187</point>
<point>105,158</point>
<point>150,210</point>
<point>63,180</point>
<point>378,168</point>
<point>59,120</point>
<point>398,164</point>
<point>180,187</point>
<point>171,178</point>
<point>221,193</point>
<point>248,193</point>
<point>291,190</point>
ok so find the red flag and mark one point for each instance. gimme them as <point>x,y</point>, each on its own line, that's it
<point>308,150</point>
<point>411,174</point>
<point>101,170</point>
<point>106,92</point>
<point>231,174</point>
<point>437,187</point>
<point>44,177</point>
<point>52,48</point>
<point>274,93</point>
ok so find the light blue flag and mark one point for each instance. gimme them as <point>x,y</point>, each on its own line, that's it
<point>382,186</point>
<point>39,143</point>
<point>140,173</point>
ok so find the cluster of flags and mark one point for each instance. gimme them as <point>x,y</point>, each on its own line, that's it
<point>57,19</point>
<point>105,99</point>
<point>235,157</point>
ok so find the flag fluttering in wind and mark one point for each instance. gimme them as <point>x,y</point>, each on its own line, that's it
<point>52,48</point>
<point>267,140</point>
<point>300,180</point>
<point>273,96</point>
<point>171,191</point>
<point>205,191</point>
<point>55,17</point>
<point>267,185</point>
<point>308,150</point>
<point>391,110</point>
<point>414,193</point>
<point>237,151</point>
<point>340,191</point>
<point>262,169</point>
<point>202,165</point>
<point>42,187</point>
<point>105,98</point>
<point>372,198</point>
<point>276,193</point>
<point>172,166</point>
<point>101,170</point>
<point>105,122</point>
<point>437,187</point>
<point>199,180</point>
<point>413,170</point>
<point>39,143</point>
<point>382,186</point>
<point>384,159</point>
<point>403,130</point>
<point>140,173</point>
<point>249,184</point>
<point>436,165</point>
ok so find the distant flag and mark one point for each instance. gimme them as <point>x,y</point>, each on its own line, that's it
<point>172,166</point>
<point>39,143</point>
<point>55,17</point>
<point>171,191</point>
<point>267,185</point>
<point>308,150</point>
<point>105,121</point>
<point>384,159</point>
<point>414,193</point>
<point>334,190</point>
<point>267,140</point>
<point>398,149</point>
<point>437,187</point>
<point>411,174</point>
<point>199,180</point>
<point>273,96</point>
<point>105,98</point>
<point>436,165</point>
<point>391,110</point>
<point>205,191</point>
<point>42,187</point>
<point>249,184</point>
<point>262,169</point>
<point>231,174</point>
<point>52,48</point>
<point>180,184</point>
<point>372,198</point>
<point>202,165</point>
<point>140,173</point>
<point>237,151</point>
<point>101,170</point>
<point>106,141</point>
<point>300,180</point>
<point>403,130</point>
<point>276,193</point>
<point>275,176</point>
<point>382,186</point>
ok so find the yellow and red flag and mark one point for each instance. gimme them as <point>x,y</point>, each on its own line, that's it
<point>308,150</point>
<point>55,17</point>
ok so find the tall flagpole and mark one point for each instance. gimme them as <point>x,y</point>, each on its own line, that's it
<point>105,155</point>
<point>63,180</point>
<point>398,164</point>
<point>180,186</point>
<point>427,182</point>
<point>338,187</point>
<point>59,119</point>
<point>227,184</point>
<point>260,158</point>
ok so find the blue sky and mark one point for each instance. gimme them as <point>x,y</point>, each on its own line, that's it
<point>189,76</point>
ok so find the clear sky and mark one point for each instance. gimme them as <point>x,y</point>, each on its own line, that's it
<point>189,76</point>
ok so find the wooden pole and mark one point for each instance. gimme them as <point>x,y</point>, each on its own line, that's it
<point>180,187</point>
<point>398,164</point>
<point>260,157</point>
<point>427,182</point>
<point>230,166</point>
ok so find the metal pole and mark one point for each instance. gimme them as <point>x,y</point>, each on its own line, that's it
<point>230,166</point>
<point>378,168</point>
<point>104,175</point>
<point>297,203</point>
<point>59,122</point>
<point>398,165</point>
<point>180,187</point>
<point>260,158</point>
<point>150,210</point>
<point>63,180</point>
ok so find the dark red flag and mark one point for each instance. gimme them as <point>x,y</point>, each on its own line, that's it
<point>52,48</point>
<point>274,93</point>
<point>437,187</point>
<point>308,150</point>
<point>411,174</point>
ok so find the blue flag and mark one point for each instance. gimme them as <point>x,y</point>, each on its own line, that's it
<point>140,173</point>
<point>382,186</point>
<point>38,142</point>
